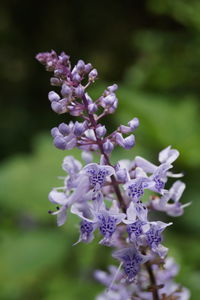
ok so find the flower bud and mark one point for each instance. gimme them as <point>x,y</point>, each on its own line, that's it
<point>88,68</point>
<point>59,107</point>
<point>53,96</point>
<point>64,129</point>
<point>124,129</point>
<point>80,66</point>
<point>55,81</point>
<point>109,100</point>
<point>126,143</point>
<point>92,108</point>
<point>129,142</point>
<point>79,128</point>
<point>108,147</point>
<point>112,88</point>
<point>64,59</point>
<point>101,131</point>
<point>66,91</point>
<point>55,132</point>
<point>134,123</point>
<point>76,77</point>
<point>122,175</point>
<point>93,75</point>
<point>79,91</point>
<point>59,142</point>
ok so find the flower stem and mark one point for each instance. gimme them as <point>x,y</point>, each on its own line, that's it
<point>152,278</point>
<point>100,144</point>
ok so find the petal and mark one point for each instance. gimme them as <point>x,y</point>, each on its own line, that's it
<point>71,165</point>
<point>57,197</point>
<point>139,172</point>
<point>177,190</point>
<point>62,216</point>
<point>82,212</point>
<point>81,189</point>
<point>131,214</point>
<point>168,155</point>
<point>91,166</point>
<point>145,164</point>
<point>87,156</point>
<point>161,251</point>
<point>109,170</point>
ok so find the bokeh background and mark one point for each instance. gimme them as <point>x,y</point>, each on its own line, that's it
<point>152,50</point>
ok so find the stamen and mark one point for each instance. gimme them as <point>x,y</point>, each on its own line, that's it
<point>114,278</point>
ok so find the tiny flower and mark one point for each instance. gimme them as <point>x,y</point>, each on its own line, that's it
<point>132,261</point>
<point>108,221</point>
<point>86,231</point>
<point>79,195</point>
<point>71,165</point>
<point>154,237</point>
<point>135,187</point>
<point>160,177</point>
<point>174,194</point>
<point>98,173</point>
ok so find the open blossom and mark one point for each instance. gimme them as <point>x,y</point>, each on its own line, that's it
<point>109,199</point>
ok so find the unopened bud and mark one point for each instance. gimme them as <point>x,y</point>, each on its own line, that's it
<point>53,96</point>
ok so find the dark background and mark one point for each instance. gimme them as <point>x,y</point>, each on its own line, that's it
<point>152,50</point>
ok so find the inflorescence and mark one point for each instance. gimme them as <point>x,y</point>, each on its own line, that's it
<point>108,198</point>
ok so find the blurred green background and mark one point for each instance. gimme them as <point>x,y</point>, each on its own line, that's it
<point>152,50</point>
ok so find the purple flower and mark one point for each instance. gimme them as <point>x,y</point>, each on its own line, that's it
<point>132,260</point>
<point>65,199</point>
<point>108,221</point>
<point>154,237</point>
<point>135,187</point>
<point>174,208</point>
<point>108,147</point>
<point>94,192</point>
<point>102,218</point>
<point>97,174</point>
<point>160,177</point>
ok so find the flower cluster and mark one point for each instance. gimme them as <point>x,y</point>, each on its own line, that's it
<point>108,198</point>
